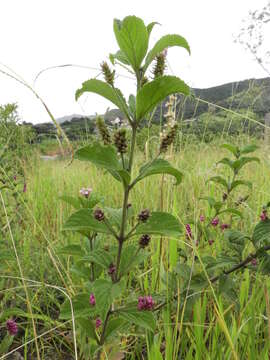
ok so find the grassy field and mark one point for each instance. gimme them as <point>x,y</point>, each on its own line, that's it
<point>208,325</point>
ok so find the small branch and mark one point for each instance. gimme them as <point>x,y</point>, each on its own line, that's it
<point>242,264</point>
<point>109,226</point>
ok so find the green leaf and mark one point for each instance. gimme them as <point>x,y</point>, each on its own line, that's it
<point>219,180</point>
<point>160,223</point>
<point>232,211</point>
<point>223,261</point>
<point>238,164</point>
<point>164,43</point>
<point>144,319</point>
<point>88,328</point>
<point>261,233</point>
<point>114,326</point>
<point>83,221</point>
<point>132,104</point>
<point>211,201</point>
<point>227,287</point>
<point>81,307</point>
<point>227,162</point>
<point>75,202</point>
<point>236,240</point>
<point>105,90</point>
<point>74,250</point>
<point>249,149</point>
<point>159,166</point>
<point>104,157</point>
<point>152,93</point>
<point>105,293</point>
<point>132,37</point>
<point>236,183</point>
<point>131,258</point>
<point>150,27</point>
<point>5,344</point>
<point>232,148</point>
<point>120,56</point>
<point>100,257</point>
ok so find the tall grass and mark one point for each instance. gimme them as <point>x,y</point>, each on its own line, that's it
<point>208,327</point>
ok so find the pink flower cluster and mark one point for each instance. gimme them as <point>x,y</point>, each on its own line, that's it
<point>145,303</point>
<point>215,221</point>
<point>263,215</point>
<point>98,323</point>
<point>188,231</point>
<point>92,300</point>
<point>86,192</point>
<point>224,226</point>
<point>12,327</point>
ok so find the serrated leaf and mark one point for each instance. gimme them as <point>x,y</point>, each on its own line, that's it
<point>159,166</point>
<point>236,183</point>
<point>211,201</point>
<point>131,257</point>
<point>83,220</point>
<point>152,93</point>
<point>81,307</point>
<point>104,157</point>
<point>105,293</point>
<point>164,43</point>
<point>144,319</point>
<point>236,240</point>
<point>132,37</point>
<point>232,211</point>
<point>100,257</point>
<point>88,327</point>
<point>120,56</point>
<point>160,223</point>
<point>226,161</point>
<point>249,149</point>
<point>238,164</point>
<point>103,89</point>
<point>261,233</point>
<point>114,326</point>
<point>232,148</point>
<point>150,27</point>
<point>219,180</point>
<point>75,202</point>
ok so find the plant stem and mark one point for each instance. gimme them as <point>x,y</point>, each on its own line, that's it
<point>91,238</point>
<point>102,337</point>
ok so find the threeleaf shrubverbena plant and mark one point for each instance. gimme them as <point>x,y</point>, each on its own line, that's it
<point>110,306</point>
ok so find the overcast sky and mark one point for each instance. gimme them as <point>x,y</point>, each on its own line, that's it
<point>36,34</point>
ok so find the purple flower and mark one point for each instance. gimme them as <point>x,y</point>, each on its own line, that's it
<point>224,226</point>
<point>202,218</point>
<point>211,242</point>
<point>263,215</point>
<point>144,215</point>
<point>215,221</point>
<point>86,192</point>
<point>98,323</point>
<point>92,300</point>
<point>254,262</point>
<point>145,303</point>
<point>12,327</point>
<point>112,269</point>
<point>14,177</point>
<point>188,232</point>
<point>99,214</point>
<point>24,187</point>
